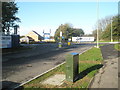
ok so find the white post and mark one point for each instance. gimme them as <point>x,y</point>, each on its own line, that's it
<point>60,43</point>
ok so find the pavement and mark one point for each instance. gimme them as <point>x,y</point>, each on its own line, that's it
<point>107,76</point>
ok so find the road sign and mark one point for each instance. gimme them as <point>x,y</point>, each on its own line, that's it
<point>60,33</point>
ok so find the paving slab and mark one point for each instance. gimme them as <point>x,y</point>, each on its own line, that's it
<point>55,80</point>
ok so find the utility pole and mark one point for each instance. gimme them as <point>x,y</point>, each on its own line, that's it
<point>97,23</point>
<point>111,31</point>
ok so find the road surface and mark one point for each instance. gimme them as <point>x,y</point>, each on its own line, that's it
<point>24,65</point>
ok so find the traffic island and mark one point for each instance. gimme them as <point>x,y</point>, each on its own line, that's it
<point>89,64</point>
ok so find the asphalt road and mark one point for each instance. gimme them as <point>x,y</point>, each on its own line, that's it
<point>24,65</point>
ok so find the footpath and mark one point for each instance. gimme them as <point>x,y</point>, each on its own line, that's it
<point>107,77</point>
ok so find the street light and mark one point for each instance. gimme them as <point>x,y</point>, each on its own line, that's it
<point>111,31</point>
<point>97,23</point>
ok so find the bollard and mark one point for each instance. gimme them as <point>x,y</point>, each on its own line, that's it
<point>72,66</point>
<point>69,43</point>
<point>60,45</point>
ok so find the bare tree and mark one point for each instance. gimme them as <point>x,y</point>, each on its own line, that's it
<point>102,24</point>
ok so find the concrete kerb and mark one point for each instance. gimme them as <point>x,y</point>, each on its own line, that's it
<point>85,50</point>
<point>45,72</point>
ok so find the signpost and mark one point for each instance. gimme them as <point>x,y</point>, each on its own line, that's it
<point>60,43</point>
<point>83,39</point>
<point>5,42</point>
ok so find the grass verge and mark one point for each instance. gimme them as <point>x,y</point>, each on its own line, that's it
<point>89,63</point>
<point>117,46</point>
<point>93,54</point>
<point>107,41</point>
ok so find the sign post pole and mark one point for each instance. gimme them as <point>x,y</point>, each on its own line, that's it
<point>60,43</point>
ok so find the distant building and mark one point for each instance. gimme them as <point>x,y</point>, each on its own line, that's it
<point>35,36</point>
<point>46,36</point>
<point>26,39</point>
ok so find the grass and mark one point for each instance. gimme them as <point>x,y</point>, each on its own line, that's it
<point>107,41</point>
<point>101,44</point>
<point>93,54</point>
<point>117,46</point>
<point>89,63</point>
<point>102,41</point>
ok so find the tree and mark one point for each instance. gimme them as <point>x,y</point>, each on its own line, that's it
<point>105,28</point>
<point>94,33</point>
<point>9,9</point>
<point>115,29</point>
<point>106,33</point>
<point>76,32</point>
<point>101,25</point>
<point>67,32</point>
<point>116,26</point>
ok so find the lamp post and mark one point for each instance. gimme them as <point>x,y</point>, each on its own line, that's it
<point>111,31</point>
<point>97,23</point>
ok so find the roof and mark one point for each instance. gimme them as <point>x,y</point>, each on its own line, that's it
<point>27,37</point>
<point>37,34</point>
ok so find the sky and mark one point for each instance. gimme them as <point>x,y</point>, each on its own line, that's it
<point>39,16</point>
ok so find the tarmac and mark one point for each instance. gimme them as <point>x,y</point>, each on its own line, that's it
<point>108,76</point>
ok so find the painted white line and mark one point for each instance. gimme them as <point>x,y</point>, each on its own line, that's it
<point>46,71</point>
<point>114,42</point>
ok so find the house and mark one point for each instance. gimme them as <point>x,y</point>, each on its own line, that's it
<point>26,39</point>
<point>35,36</point>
